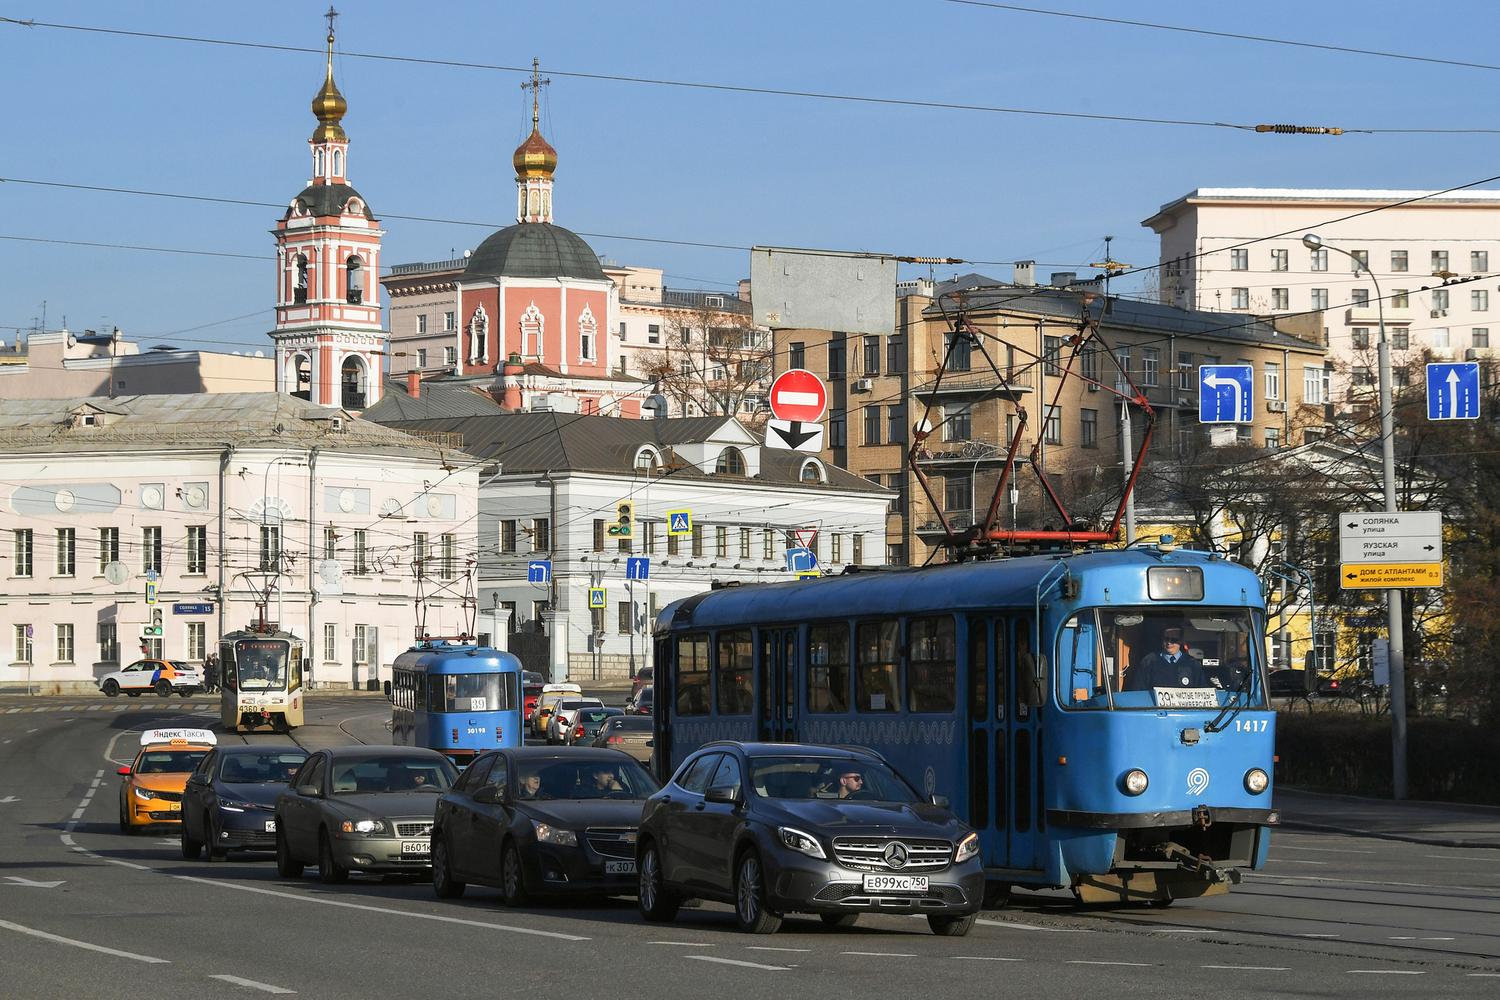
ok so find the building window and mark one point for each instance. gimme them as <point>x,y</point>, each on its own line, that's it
<point>197,638</point>
<point>1359,297</point>
<point>1439,261</point>
<point>1440,337</point>
<point>1273,437</point>
<point>768,544</point>
<point>1319,260</point>
<point>1239,298</point>
<point>625,617</point>
<point>1239,260</point>
<point>361,553</point>
<point>270,548</point>
<point>956,424</point>
<point>796,355</point>
<point>895,355</point>
<point>1312,385</point>
<point>1479,300</point>
<point>836,347</point>
<point>150,550</point>
<point>354,291</point>
<point>857,549</point>
<point>653,333</point>
<point>1362,258</point>
<point>508,535</point>
<point>64,637</point>
<point>721,542</point>
<point>1320,298</point>
<point>697,539</point>
<point>895,430</point>
<point>1122,361</point>
<point>1280,259</point>
<point>958,495</point>
<point>1400,299</point>
<point>1088,366</point>
<point>450,556</point>
<point>1272,370</point>
<point>872,424</point>
<point>450,356</point>
<point>960,347</point>
<point>197,549</point>
<point>1088,431</point>
<point>421,322</point>
<point>22,635</point>
<point>598,534</point>
<point>507,615</point>
<point>419,554</point>
<point>872,355</point>
<point>1281,298</point>
<point>1150,366</point>
<point>109,547</point>
<point>1359,336</point>
<point>67,544</point>
<point>1184,370</point>
<point>1479,261</point>
<point>674,544</point>
<point>1362,377</point>
<point>1398,260</point>
<point>1400,338</point>
<point>649,527</point>
<point>24,546</point>
<point>731,463</point>
<point>109,643</point>
<point>1481,336</point>
<point>1052,426</point>
<point>1052,354</point>
<point>744,543</point>
<point>587,329</point>
<point>837,429</point>
<point>1440,299</point>
<point>330,642</point>
<point>836,550</point>
<point>421,357</point>
<point>541,534</point>
<point>449,321</point>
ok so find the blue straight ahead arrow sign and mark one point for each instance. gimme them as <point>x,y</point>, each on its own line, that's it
<point>1453,390</point>
<point>638,568</point>
<point>1226,394</point>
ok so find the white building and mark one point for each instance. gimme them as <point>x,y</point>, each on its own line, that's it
<point>230,500</point>
<point>1426,256</point>
<point>556,490</point>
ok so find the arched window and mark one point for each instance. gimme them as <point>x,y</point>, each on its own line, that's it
<point>479,340</point>
<point>318,163</point>
<point>731,463</point>
<point>647,460</point>
<point>338,163</point>
<point>355,293</point>
<point>299,284</point>
<point>533,202</point>
<point>352,383</point>
<point>532,322</point>
<point>302,376</point>
<point>588,331</point>
<point>813,472</point>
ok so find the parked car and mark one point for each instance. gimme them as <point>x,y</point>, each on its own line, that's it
<point>1293,684</point>
<point>642,678</point>
<point>364,808</point>
<point>165,677</point>
<point>641,703</point>
<point>774,828</point>
<point>534,821</point>
<point>587,723</point>
<point>230,800</point>
<point>629,733</point>
<point>561,723</point>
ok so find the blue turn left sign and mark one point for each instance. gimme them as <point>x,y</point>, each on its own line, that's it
<point>1453,390</point>
<point>1226,394</point>
<point>539,571</point>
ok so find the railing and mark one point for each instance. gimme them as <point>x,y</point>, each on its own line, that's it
<point>453,440</point>
<point>457,264</point>
<point>975,381</point>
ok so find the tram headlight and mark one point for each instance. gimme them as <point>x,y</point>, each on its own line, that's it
<point>1256,781</point>
<point>363,826</point>
<point>1134,782</point>
<point>967,848</point>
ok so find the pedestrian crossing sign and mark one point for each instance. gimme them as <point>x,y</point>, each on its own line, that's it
<point>597,600</point>
<point>679,522</point>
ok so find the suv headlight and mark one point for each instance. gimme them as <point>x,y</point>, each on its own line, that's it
<point>1256,781</point>
<point>144,794</point>
<point>967,848</point>
<point>230,805</point>
<point>548,834</point>
<point>1134,782</point>
<point>802,843</point>
<point>363,826</point>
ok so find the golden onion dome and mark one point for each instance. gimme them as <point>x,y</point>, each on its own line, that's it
<point>329,106</point>
<point>535,157</point>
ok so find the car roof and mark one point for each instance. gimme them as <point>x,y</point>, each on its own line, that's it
<point>371,752</point>
<point>259,748</point>
<point>571,753</point>
<point>795,750</point>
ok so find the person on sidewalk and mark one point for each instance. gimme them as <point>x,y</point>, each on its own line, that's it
<point>1174,666</point>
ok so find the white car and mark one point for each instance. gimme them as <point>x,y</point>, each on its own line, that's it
<point>561,722</point>
<point>165,677</point>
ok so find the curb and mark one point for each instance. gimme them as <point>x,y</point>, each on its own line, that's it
<point>1402,837</point>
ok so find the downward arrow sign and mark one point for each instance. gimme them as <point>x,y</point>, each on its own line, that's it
<point>30,883</point>
<point>794,435</point>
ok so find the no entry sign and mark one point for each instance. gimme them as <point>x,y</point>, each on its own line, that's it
<point>798,395</point>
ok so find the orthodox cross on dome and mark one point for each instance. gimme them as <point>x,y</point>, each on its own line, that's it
<point>535,85</point>
<point>535,160</point>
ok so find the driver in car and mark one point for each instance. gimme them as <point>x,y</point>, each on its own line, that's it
<point>605,781</point>
<point>852,784</point>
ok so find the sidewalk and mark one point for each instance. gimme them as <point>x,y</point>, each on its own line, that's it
<point>1439,824</point>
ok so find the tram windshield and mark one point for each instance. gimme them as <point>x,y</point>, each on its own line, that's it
<point>471,692</point>
<point>1152,658</point>
<point>261,664</point>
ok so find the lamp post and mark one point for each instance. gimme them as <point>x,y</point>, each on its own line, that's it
<point>1388,474</point>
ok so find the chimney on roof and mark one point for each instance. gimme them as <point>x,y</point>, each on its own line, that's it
<point>1025,273</point>
<point>414,384</point>
<point>510,382</point>
<point>744,290</point>
<point>1062,279</point>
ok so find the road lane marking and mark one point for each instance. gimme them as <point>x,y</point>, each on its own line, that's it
<point>766,947</point>
<point>879,954</point>
<point>984,958</point>
<point>1017,925</point>
<point>252,984</point>
<point>1257,876</point>
<point>1089,961</point>
<point>684,944</point>
<point>1484,975</point>
<point>1296,861</point>
<point>1383,972</point>
<point>89,946</point>
<point>1316,935</point>
<point>1249,968</point>
<point>741,964</point>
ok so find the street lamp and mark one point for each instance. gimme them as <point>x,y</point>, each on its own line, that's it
<point>1388,470</point>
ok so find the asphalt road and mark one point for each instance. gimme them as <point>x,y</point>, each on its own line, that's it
<point>86,911</point>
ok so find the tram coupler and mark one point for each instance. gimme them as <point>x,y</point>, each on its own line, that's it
<point>1198,864</point>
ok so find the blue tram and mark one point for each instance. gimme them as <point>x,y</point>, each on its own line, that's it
<point>1031,693</point>
<point>456,698</point>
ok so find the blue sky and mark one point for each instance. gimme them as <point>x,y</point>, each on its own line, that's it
<point>686,164</point>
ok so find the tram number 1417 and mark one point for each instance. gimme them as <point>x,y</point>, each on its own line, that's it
<point>1251,725</point>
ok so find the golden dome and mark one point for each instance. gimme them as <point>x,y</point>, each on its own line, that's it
<point>535,157</point>
<point>329,106</point>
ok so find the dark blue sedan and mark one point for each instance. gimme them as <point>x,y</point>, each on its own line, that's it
<point>230,800</point>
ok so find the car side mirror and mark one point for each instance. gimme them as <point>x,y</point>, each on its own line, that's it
<point>490,794</point>
<point>124,771</point>
<point>941,801</point>
<point>722,793</point>
<point>308,791</point>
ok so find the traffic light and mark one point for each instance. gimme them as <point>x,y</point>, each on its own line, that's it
<point>623,526</point>
<point>153,629</point>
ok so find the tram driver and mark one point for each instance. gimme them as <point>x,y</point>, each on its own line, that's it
<point>1173,666</point>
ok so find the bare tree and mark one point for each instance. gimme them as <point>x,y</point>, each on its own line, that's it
<point>712,362</point>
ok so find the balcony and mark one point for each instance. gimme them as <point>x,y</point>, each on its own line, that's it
<point>974,383</point>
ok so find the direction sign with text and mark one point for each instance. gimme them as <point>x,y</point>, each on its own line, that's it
<point>1390,549</point>
<point>1389,576</point>
<point>798,396</point>
<point>1226,394</point>
<point>1453,390</point>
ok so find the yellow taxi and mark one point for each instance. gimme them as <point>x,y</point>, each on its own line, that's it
<point>151,792</point>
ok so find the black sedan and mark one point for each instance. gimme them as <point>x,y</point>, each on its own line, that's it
<point>534,821</point>
<point>364,808</point>
<point>230,800</point>
<point>774,828</point>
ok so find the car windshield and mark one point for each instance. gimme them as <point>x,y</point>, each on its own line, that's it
<point>593,716</point>
<point>584,779</point>
<point>827,778</point>
<point>1154,657</point>
<point>392,774</point>
<point>168,761</point>
<point>272,767</point>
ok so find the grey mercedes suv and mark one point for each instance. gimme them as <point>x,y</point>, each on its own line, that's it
<point>777,828</point>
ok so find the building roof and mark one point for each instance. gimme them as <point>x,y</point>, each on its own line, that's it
<point>1128,314</point>
<point>329,199</point>
<point>535,250</point>
<point>194,421</point>
<point>567,442</point>
<point>437,399</point>
<point>1353,196</point>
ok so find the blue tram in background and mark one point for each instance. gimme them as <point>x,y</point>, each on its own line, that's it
<point>456,698</point>
<point>1009,688</point>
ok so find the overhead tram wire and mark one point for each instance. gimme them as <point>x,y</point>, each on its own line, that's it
<point>731,88</point>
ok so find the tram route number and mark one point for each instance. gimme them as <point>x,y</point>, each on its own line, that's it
<point>1251,725</point>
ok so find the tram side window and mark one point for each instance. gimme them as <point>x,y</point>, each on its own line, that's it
<point>979,698</point>
<point>1028,688</point>
<point>877,684</point>
<point>1080,669</point>
<point>692,675</point>
<point>932,668</point>
<point>828,668</point>
<point>294,669</point>
<point>734,673</point>
<point>228,675</point>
